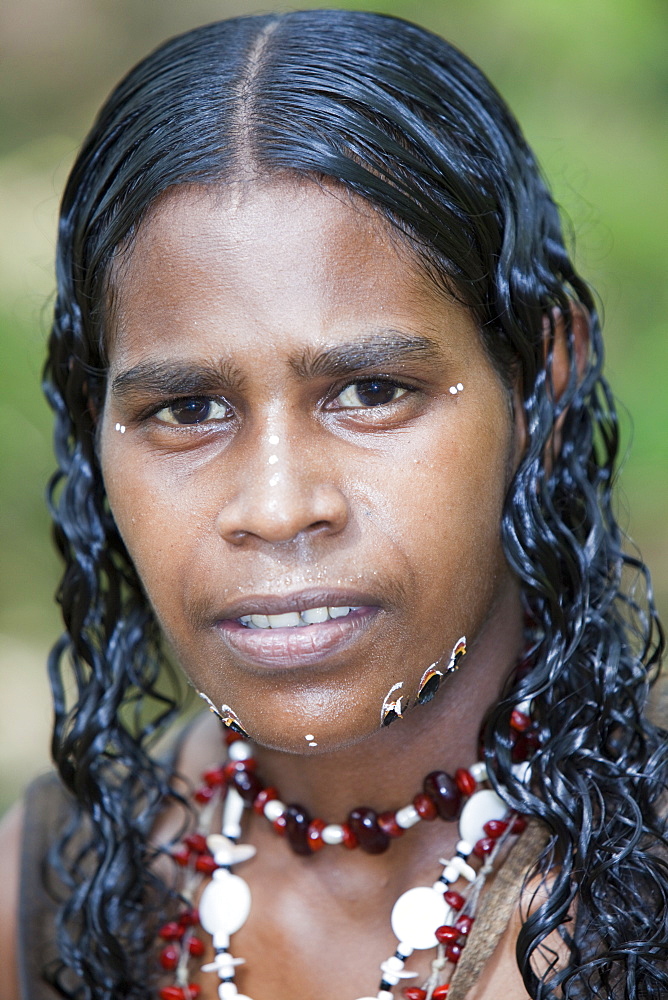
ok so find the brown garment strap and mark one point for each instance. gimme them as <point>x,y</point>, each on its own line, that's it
<point>46,810</point>
<point>499,904</point>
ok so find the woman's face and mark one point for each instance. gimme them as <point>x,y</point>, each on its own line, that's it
<point>297,421</point>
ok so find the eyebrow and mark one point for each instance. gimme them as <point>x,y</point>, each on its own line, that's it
<point>386,349</point>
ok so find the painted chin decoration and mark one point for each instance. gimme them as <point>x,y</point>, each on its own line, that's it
<point>391,709</point>
<point>432,677</point>
<point>226,715</point>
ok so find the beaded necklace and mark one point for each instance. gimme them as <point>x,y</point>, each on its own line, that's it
<point>439,916</point>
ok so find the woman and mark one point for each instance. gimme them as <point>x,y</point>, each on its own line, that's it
<point>332,429</point>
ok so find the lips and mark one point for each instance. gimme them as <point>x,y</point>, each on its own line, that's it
<point>296,630</point>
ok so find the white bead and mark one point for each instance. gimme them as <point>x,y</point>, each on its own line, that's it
<point>390,978</point>
<point>524,707</point>
<point>480,809</point>
<point>451,873</point>
<point>225,903</point>
<point>384,995</point>
<point>465,870</point>
<point>273,809</point>
<point>416,914</point>
<point>232,812</point>
<point>226,991</point>
<point>393,964</point>
<point>240,750</point>
<point>463,847</point>
<point>407,817</point>
<point>333,834</point>
<point>404,949</point>
<point>479,771</point>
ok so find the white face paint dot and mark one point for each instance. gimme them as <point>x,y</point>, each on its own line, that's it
<point>311,741</point>
<point>120,428</point>
<point>273,459</point>
<point>275,479</point>
<point>460,386</point>
<point>453,390</point>
<point>274,439</point>
<point>309,736</point>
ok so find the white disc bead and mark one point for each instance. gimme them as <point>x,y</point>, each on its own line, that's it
<point>273,809</point>
<point>225,903</point>
<point>416,915</point>
<point>482,807</point>
<point>333,834</point>
<point>407,817</point>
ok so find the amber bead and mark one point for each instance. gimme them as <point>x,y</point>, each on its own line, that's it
<point>425,806</point>
<point>465,781</point>
<point>464,924</point>
<point>169,957</point>
<point>247,784</point>
<point>387,821</point>
<point>441,992</point>
<point>440,787</point>
<point>364,824</point>
<point>452,952</point>
<point>296,827</point>
<point>454,899</point>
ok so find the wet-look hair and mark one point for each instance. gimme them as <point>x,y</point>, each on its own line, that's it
<point>396,116</point>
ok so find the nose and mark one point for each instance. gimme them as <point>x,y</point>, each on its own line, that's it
<point>283,491</point>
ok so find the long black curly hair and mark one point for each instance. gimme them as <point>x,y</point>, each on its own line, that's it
<point>405,121</point>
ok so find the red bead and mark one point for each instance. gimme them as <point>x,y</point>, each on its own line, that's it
<point>196,946</point>
<point>169,957</point>
<point>172,993</point>
<point>447,934</point>
<point>232,737</point>
<point>465,782</point>
<point>454,899</point>
<point>171,931</point>
<point>519,721</point>
<point>234,766</point>
<point>425,806</point>
<point>414,993</point>
<point>349,839</point>
<point>196,842</point>
<point>189,918</point>
<point>214,777</point>
<point>364,824</point>
<point>387,821</point>
<point>181,855</point>
<point>452,952</point>
<point>262,797</point>
<point>483,847</point>
<point>314,834</point>
<point>440,787</point>
<point>247,784</point>
<point>204,794</point>
<point>280,825</point>
<point>206,864</point>
<point>495,828</point>
<point>518,825</point>
<point>464,924</point>
<point>441,992</point>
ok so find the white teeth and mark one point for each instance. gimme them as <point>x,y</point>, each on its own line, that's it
<point>288,620</point>
<point>292,619</point>
<point>314,615</point>
<point>338,612</point>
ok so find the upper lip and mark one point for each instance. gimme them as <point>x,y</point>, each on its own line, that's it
<point>276,604</point>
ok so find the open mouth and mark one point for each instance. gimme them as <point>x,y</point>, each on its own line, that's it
<point>297,619</point>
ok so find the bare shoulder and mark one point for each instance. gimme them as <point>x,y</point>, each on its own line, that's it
<point>11,829</point>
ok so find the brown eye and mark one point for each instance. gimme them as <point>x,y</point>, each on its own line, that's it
<point>373,392</point>
<point>195,410</point>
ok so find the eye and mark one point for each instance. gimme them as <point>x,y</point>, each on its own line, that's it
<point>193,410</point>
<point>372,392</point>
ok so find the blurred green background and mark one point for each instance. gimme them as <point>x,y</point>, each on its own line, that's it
<point>588,81</point>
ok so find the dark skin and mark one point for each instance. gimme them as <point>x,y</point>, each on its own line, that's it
<point>330,464</point>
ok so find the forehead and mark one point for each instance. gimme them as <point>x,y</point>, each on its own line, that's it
<point>282,259</point>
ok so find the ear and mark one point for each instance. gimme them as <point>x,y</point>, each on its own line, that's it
<point>559,351</point>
